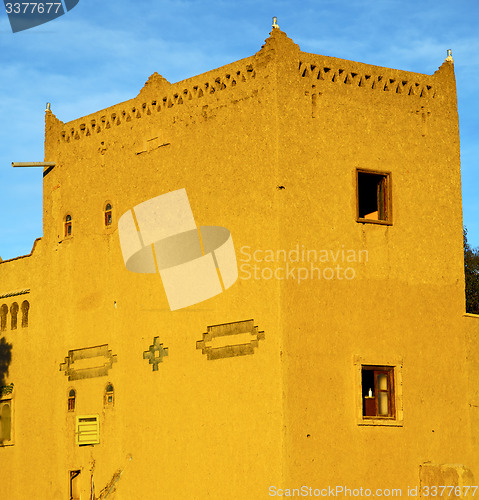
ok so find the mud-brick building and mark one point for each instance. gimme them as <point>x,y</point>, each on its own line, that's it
<point>340,356</point>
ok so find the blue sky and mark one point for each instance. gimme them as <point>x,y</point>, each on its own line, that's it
<point>102,52</point>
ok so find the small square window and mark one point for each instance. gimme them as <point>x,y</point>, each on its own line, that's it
<point>373,197</point>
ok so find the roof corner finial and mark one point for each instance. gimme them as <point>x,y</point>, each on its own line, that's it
<point>449,56</point>
<point>48,107</point>
<point>275,22</point>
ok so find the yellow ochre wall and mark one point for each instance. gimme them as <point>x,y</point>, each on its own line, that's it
<point>259,155</point>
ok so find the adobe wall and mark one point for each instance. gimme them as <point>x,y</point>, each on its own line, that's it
<point>471,326</point>
<point>267,147</point>
<point>218,422</point>
<point>405,303</point>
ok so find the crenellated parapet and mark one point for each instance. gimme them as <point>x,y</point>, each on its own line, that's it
<point>154,86</point>
<point>160,96</point>
<point>367,78</point>
<point>159,103</point>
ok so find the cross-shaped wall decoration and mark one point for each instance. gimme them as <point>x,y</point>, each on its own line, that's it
<point>425,114</point>
<point>155,353</point>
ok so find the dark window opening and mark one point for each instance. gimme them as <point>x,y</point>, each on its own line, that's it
<point>109,395</point>
<point>14,313</point>
<point>108,215</point>
<point>68,225</point>
<point>3,317</point>
<point>373,196</point>
<point>25,308</point>
<point>377,383</point>
<point>71,400</point>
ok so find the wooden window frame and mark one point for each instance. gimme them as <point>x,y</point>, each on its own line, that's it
<point>379,370</point>
<point>108,212</point>
<point>385,205</point>
<point>108,394</point>
<point>395,367</point>
<point>68,229</point>
<point>72,400</point>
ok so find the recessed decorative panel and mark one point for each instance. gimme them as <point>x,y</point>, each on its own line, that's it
<point>230,339</point>
<point>88,362</point>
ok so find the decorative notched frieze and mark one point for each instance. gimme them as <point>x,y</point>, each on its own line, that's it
<point>383,82</point>
<point>153,105</point>
<point>88,362</point>
<point>230,339</point>
<point>155,354</point>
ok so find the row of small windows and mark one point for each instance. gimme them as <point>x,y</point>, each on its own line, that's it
<point>377,384</point>
<point>6,416</point>
<point>107,214</point>
<point>373,200</point>
<point>14,315</point>
<point>377,393</point>
<point>108,397</point>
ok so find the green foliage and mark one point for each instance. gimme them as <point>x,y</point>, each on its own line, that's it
<point>471,271</point>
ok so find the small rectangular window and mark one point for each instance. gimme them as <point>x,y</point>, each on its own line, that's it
<point>377,384</point>
<point>71,400</point>
<point>68,225</point>
<point>75,485</point>
<point>373,197</point>
<point>87,429</point>
<point>6,422</point>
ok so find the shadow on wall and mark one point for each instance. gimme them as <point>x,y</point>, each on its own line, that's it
<point>5,359</point>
